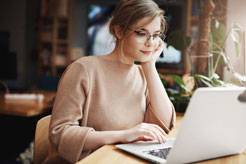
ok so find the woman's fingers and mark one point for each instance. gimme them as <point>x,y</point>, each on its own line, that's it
<point>156,135</point>
<point>163,133</point>
<point>145,138</point>
<point>145,132</point>
<point>156,132</point>
<point>160,45</point>
<point>158,50</point>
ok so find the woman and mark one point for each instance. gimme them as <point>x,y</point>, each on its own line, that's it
<point>109,99</point>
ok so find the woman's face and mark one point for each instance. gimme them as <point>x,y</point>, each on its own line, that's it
<point>142,40</point>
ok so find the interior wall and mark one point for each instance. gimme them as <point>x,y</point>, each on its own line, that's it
<point>32,12</point>
<point>78,23</point>
<point>13,20</point>
<point>19,19</point>
<point>236,12</point>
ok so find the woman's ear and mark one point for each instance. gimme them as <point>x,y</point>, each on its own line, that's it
<point>118,32</point>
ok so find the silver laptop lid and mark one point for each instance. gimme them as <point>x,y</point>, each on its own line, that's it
<point>214,125</point>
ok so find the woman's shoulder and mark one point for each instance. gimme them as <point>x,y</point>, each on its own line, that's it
<point>85,60</point>
<point>81,64</point>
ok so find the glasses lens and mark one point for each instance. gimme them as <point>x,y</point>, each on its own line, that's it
<point>143,37</point>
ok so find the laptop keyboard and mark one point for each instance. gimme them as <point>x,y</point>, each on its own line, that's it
<point>161,153</point>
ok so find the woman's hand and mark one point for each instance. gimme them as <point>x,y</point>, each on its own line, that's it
<point>141,132</point>
<point>144,132</point>
<point>156,53</point>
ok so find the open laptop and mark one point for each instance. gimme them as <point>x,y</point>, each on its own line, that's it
<point>214,125</point>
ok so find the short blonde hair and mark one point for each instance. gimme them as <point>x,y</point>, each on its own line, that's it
<point>128,12</point>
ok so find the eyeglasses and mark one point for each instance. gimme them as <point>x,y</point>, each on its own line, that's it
<point>144,36</point>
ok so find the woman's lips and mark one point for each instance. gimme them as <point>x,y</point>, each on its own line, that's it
<point>146,52</point>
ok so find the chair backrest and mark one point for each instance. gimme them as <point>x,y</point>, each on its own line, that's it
<point>41,142</point>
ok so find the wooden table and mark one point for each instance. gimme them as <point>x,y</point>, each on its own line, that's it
<point>110,154</point>
<point>26,108</point>
<point>18,122</point>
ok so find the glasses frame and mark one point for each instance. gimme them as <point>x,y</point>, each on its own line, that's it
<point>162,36</point>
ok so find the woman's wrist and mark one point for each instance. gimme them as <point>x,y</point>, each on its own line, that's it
<point>97,139</point>
<point>121,136</point>
<point>115,137</point>
<point>148,67</point>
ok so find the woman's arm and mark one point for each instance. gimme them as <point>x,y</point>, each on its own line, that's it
<point>141,132</point>
<point>69,138</point>
<point>159,100</point>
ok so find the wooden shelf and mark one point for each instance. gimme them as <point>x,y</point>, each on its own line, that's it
<point>53,33</point>
<point>192,15</point>
<point>194,21</point>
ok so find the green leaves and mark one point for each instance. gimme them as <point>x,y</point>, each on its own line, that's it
<point>204,81</point>
<point>179,81</point>
<point>217,36</point>
<point>178,88</point>
<point>237,35</point>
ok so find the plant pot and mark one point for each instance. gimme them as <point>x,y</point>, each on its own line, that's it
<point>202,65</point>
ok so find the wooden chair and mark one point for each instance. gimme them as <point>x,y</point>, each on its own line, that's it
<point>41,142</point>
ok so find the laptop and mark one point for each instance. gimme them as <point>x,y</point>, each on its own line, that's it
<point>214,125</point>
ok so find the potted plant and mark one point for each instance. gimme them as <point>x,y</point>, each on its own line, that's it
<point>178,91</point>
<point>180,88</point>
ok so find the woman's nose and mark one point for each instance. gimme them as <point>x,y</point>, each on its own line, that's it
<point>149,42</point>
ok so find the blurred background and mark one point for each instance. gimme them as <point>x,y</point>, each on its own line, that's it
<point>40,38</point>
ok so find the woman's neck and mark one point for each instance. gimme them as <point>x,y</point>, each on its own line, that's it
<point>118,55</point>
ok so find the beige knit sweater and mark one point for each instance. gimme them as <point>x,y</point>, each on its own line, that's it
<point>97,94</point>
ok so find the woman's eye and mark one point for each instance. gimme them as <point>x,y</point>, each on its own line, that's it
<point>140,33</point>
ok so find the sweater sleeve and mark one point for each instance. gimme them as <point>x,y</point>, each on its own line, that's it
<point>65,132</point>
<point>151,117</point>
